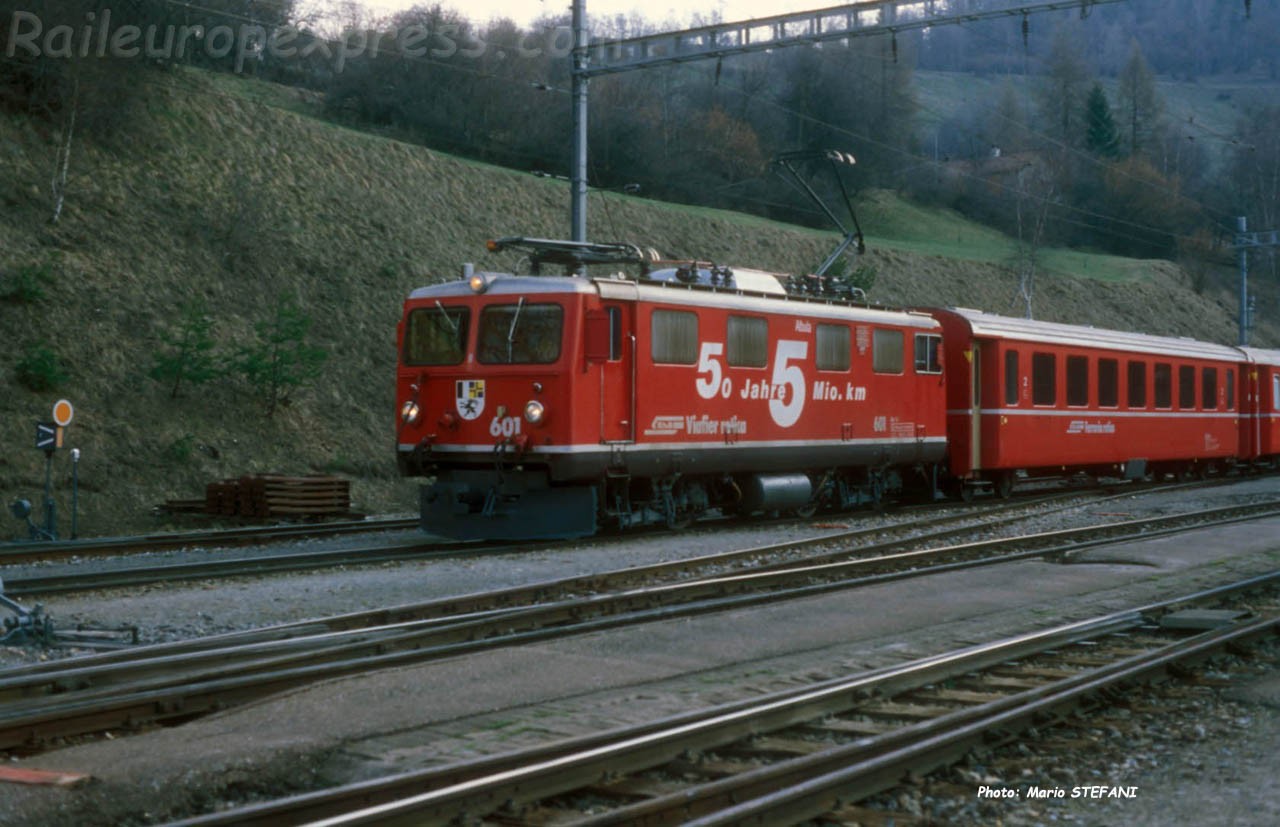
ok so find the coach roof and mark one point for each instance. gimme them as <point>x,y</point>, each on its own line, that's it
<point>986,325</point>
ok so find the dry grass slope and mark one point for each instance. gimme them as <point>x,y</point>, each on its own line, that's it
<point>219,197</point>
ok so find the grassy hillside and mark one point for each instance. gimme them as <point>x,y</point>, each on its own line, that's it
<point>228,191</point>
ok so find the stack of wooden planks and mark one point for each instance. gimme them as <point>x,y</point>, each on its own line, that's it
<point>272,495</point>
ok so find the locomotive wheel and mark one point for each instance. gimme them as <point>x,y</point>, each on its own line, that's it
<point>804,512</point>
<point>1004,485</point>
<point>966,492</point>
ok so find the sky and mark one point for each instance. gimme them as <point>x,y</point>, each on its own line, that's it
<point>524,12</point>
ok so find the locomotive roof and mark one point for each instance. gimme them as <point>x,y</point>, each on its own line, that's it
<point>1029,330</point>
<point>1262,356</point>
<point>624,289</point>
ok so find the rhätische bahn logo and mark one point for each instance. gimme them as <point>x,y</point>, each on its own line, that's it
<point>469,394</point>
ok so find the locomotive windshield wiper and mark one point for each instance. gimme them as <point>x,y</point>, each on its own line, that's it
<point>453,326</point>
<point>511,334</point>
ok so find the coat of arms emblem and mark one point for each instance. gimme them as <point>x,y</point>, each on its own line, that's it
<point>469,395</point>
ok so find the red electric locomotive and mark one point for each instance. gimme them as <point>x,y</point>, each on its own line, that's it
<point>1042,398</point>
<point>553,406</point>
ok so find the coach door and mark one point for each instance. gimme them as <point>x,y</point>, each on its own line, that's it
<point>975,407</point>
<point>611,343</point>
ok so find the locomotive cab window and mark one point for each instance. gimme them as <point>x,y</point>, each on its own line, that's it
<point>927,347</point>
<point>748,345</point>
<point>833,347</point>
<point>1164,385</point>
<point>1108,383</point>
<point>436,335</point>
<point>1044,379</point>
<point>886,351</point>
<point>674,337</point>
<point>1209,389</point>
<point>1078,381</point>
<point>520,334</point>
<point>1137,384</point>
<point>1011,377</point>
<point>1186,387</point>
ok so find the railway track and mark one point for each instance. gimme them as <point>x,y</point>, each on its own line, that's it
<point>35,584</point>
<point>27,552</point>
<point>173,682</point>
<point>804,753</point>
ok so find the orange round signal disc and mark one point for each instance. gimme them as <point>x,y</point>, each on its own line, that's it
<point>63,412</point>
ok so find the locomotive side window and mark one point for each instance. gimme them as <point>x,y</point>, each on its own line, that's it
<point>1108,383</point>
<point>1275,391</point>
<point>1231,389</point>
<point>1186,387</point>
<point>519,334</point>
<point>1044,379</point>
<point>1011,377</point>
<point>436,335</point>
<point>748,345</point>
<point>886,351</point>
<point>1209,389</point>
<point>1078,380</point>
<point>674,337</point>
<point>926,348</point>
<point>1164,385</point>
<point>833,347</point>
<point>1137,384</point>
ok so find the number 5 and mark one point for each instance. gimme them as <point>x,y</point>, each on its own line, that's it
<point>787,413</point>
<point>710,386</point>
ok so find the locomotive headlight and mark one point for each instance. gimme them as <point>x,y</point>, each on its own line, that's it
<point>409,412</point>
<point>478,282</point>
<point>534,412</point>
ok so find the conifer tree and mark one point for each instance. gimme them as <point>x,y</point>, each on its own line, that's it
<point>1100,128</point>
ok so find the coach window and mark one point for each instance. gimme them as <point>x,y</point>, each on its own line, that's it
<point>1137,384</point>
<point>1108,383</point>
<point>1209,389</point>
<point>1078,381</point>
<point>1011,377</point>
<point>1231,389</point>
<point>436,335</point>
<point>886,351</point>
<point>1275,391</point>
<point>674,337</point>
<point>748,345</point>
<point>833,347</point>
<point>1164,385</point>
<point>926,353</point>
<point>1186,387</point>
<point>1044,379</point>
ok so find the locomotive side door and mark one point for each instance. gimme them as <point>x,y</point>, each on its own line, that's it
<point>612,347</point>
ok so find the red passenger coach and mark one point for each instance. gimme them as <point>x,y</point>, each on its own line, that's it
<point>552,406</point>
<point>1057,399</point>
<point>1260,425</point>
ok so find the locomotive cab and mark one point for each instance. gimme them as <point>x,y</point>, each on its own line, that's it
<point>485,405</point>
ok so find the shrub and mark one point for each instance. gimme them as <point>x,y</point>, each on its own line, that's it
<point>25,285</point>
<point>190,355</point>
<point>281,361</point>
<point>39,369</point>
